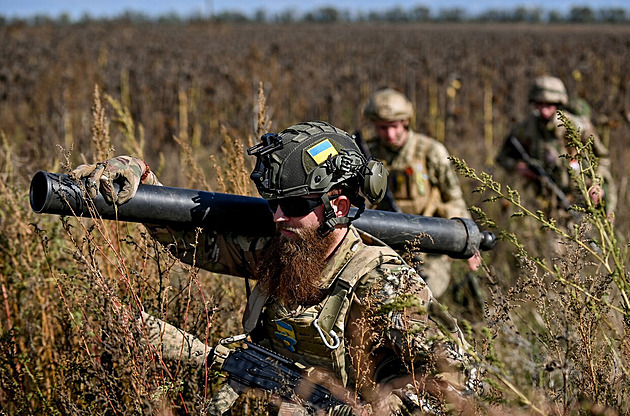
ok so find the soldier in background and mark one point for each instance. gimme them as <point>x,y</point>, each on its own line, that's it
<point>422,179</point>
<point>539,140</point>
<point>323,286</point>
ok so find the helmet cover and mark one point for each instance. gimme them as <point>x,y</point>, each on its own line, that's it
<point>388,105</point>
<point>548,89</point>
<point>311,158</point>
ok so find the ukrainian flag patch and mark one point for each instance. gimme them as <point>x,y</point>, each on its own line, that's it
<point>322,151</point>
<point>286,334</point>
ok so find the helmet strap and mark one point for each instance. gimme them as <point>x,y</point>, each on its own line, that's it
<point>331,219</point>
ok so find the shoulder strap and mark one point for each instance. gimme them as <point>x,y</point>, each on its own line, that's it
<point>366,259</point>
<point>255,303</point>
<point>358,266</point>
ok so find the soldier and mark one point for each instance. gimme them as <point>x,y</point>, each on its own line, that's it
<point>326,292</point>
<point>539,140</point>
<point>422,179</point>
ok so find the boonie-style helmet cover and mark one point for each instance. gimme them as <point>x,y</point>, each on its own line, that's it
<point>312,158</point>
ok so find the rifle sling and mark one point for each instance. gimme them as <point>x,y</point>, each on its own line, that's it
<point>255,304</point>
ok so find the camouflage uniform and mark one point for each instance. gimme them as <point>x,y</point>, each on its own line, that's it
<point>423,182</point>
<point>377,277</point>
<point>544,142</point>
<point>421,178</point>
<point>361,331</point>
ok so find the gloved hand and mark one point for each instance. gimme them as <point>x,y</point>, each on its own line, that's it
<point>126,171</point>
<point>341,410</point>
<point>402,402</point>
<point>363,409</point>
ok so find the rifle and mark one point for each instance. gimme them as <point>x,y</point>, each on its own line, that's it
<point>545,177</point>
<point>388,203</point>
<point>257,367</point>
<point>53,193</point>
<point>250,365</point>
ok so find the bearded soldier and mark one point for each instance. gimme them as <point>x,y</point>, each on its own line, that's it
<point>539,140</point>
<point>422,179</point>
<point>326,293</point>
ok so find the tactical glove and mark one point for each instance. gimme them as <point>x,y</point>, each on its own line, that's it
<point>128,172</point>
<point>341,410</point>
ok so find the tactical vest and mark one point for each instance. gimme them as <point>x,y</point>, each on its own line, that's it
<point>409,176</point>
<point>545,143</point>
<point>314,336</point>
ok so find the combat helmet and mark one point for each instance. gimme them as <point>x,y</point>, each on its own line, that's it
<point>387,104</point>
<point>313,158</point>
<point>548,89</point>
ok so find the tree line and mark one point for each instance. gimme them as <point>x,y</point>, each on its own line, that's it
<point>577,15</point>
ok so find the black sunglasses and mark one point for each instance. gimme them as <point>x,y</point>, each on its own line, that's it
<point>296,206</point>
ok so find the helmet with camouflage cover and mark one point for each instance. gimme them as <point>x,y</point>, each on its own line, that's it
<point>548,89</point>
<point>387,104</point>
<point>313,158</point>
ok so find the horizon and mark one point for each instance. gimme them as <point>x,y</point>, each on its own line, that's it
<point>77,9</point>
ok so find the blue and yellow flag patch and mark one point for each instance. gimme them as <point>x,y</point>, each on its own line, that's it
<point>286,334</point>
<point>322,151</point>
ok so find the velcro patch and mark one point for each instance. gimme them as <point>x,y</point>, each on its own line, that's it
<point>286,334</point>
<point>322,151</point>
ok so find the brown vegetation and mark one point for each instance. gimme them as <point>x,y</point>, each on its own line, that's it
<point>553,337</point>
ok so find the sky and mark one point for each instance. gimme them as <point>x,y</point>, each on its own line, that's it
<point>78,8</point>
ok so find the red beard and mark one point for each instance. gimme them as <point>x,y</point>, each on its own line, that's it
<point>290,268</point>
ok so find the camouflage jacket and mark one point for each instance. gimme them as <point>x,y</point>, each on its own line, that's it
<point>545,142</point>
<point>389,299</point>
<point>421,177</point>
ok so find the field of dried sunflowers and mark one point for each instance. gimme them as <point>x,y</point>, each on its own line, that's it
<point>553,335</point>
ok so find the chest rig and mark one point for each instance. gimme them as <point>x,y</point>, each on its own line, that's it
<point>315,335</point>
<point>409,176</point>
<point>544,142</point>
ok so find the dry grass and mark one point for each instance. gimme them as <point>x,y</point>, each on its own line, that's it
<point>553,336</point>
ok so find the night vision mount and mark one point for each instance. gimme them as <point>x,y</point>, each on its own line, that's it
<point>270,143</point>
